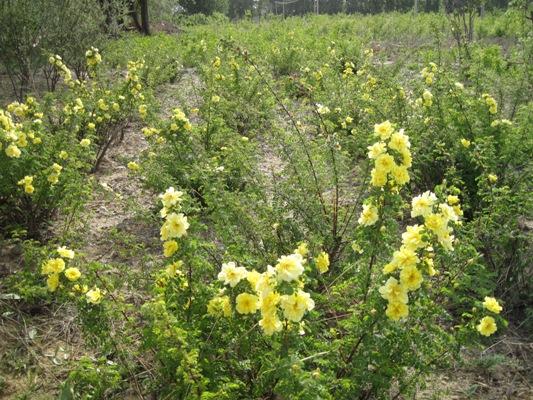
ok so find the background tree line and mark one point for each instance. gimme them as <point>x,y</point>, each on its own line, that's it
<point>239,8</point>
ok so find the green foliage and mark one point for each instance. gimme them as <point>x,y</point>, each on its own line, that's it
<point>32,30</point>
<point>308,155</point>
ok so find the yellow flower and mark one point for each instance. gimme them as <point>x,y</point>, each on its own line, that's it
<point>85,142</point>
<point>400,174</point>
<point>72,274</point>
<point>53,266</point>
<point>465,142</point>
<point>174,269</point>
<point>383,130</point>
<point>399,141</point>
<point>411,278</point>
<point>65,253</point>
<point>369,215</point>
<point>405,257</point>
<point>492,305</point>
<point>397,311</point>
<point>56,168</point>
<point>171,197</point>
<point>176,225</point>
<point>270,324</point>
<point>170,247</point>
<point>427,98</point>
<point>27,183</point>
<point>390,267</point>
<point>53,178</point>
<point>302,249</point>
<point>376,150</point>
<point>294,306</point>
<point>269,301</point>
<point>219,306</point>
<point>379,178</point>
<point>246,303</point>
<point>452,200</point>
<point>215,98</point>
<point>289,268</point>
<point>493,178</point>
<point>435,223</point>
<point>91,126</point>
<point>423,205</point>
<point>52,282</point>
<point>394,291</point>
<point>231,275</point>
<point>13,151</point>
<point>133,166</point>
<point>412,237</point>
<point>94,296</point>
<point>322,262</point>
<point>253,277</point>
<point>63,155</point>
<point>143,110</point>
<point>487,326</point>
<point>385,162</point>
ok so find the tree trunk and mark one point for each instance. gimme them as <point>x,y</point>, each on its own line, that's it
<point>144,17</point>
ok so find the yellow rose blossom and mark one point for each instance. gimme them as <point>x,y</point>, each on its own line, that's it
<point>219,306</point>
<point>171,197</point>
<point>487,326</point>
<point>85,142</point>
<point>53,266</point>
<point>174,269</point>
<point>465,142</point>
<point>270,324</point>
<point>170,247</point>
<point>378,178</point>
<point>452,200</point>
<point>253,277</point>
<point>411,278</point>
<point>397,311</point>
<point>246,303</point>
<point>423,205</point>
<point>65,253</point>
<point>72,274</point>
<point>376,150</point>
<point>394,291</point>
<point>269,301</point>
<point>383,130</point>
<point>369,215</point>
<point>399,142</point>
<point>176,225</point>
<point>294,306</point>
<point>412,237</point>
<point>302,249</point>
<point>493,178</point>
<point>133,166</point>
<point>322,262</point>
<point>404,257</point>
<point>231,275</point>
<point>385,162</point>
<point>491,304</point>
<point>290,267</point>
<point>13,151</point>
<point>52,282</point>
<point>94,296</point>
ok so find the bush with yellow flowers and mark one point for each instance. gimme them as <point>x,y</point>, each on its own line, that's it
<point>46,148</point>
<point>333,224</point>
<point>98,109</point>
<point>41,168</point>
